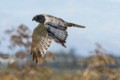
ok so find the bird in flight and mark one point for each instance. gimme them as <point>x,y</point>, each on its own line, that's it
<point>50,29</point>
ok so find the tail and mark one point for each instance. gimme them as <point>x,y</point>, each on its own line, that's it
<point>75,25</point>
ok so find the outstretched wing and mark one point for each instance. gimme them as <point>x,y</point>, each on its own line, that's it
<point>57,32</point>
<point>40,43</point>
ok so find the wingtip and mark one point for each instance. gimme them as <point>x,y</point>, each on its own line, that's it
<point>64,45</point>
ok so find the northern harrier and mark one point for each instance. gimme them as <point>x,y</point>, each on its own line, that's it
<point>49,28</point>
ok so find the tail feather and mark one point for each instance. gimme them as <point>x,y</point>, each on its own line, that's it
<point>76,25</point>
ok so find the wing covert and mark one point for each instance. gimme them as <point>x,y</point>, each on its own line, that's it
<point>40,43</point>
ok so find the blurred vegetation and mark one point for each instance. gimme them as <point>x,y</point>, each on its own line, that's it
<point>62,66</point>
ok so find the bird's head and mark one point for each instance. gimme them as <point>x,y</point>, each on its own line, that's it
<point>39,18</point>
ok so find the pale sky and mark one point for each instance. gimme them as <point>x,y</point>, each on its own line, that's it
<point>101,18</point>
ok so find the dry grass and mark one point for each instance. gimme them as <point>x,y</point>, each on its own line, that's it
<point>97,69</point>
<point>98,66</point>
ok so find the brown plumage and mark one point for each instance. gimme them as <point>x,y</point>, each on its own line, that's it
<point>50,28</point>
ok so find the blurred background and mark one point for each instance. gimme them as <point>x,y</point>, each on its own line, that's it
<point>91,53</point>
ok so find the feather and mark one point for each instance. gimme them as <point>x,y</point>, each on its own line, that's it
<point>58,33</point>
<point>40,43</point>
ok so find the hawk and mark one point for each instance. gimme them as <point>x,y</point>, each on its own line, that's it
<point>50,29</point>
